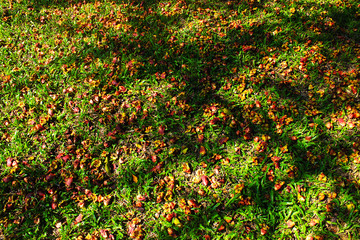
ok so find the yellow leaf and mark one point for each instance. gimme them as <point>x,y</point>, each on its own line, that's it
<point>322,177</point>
<point>96,163</point>
<point>148,129</point>
<point>172,150</point>
<point>135,178</point>
<point>177,222</point>
<point>350,206</point>
<point>226,111</point>
<point>184,151</point>
<point>107,166</point>
<point>321,196</point>
<point>12,170</point>
<point>188,129</point>
<point>301,198</point>
<point>239,187</point>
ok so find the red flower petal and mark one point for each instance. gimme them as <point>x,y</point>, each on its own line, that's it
<point>69,181</point>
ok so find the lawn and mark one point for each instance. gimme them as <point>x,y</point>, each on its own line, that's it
<point>180,119</point>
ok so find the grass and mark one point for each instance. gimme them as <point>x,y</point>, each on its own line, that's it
<point>179,119</point>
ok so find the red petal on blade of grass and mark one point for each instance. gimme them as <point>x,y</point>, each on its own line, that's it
<point>192,203</point>
<point>158,167</point>
<point>39,127</point>
<point>247,136</point>
<point>223,140</point>
<point>170,216</point>
<point>353,89</point>
<point>328,125</point>
<point>51,112</point>
<point>41,195</point>
<point>65,158</point>
<point>214,121</point>
<point>290,224</point>
<point>53,205</point>
<point>104,233</point>
<point>50,177</point>
<point>9,162</point>
<point>7,179</point>
<point>122,89</point>
<point>201,138</point>
<point>275,159</point>
<point>161,130</point>
<point>221,228</point>
<point>341,122</point>
<point>69,181</point>
<point>277,165</point>
<point>140,198</point>
<point>313,222</point>
<point>78,218</point>
<point>257,104</point>
<point>277,187</point>
<point>294,138</point>
<point>76,110</point>
<point>205,180</point>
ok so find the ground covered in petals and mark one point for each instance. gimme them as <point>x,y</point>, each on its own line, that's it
<point>180,119</point>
